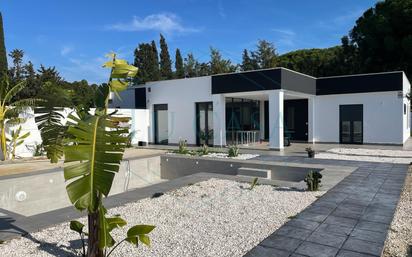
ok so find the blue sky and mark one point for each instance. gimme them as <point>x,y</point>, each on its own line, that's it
<point>75,35</point>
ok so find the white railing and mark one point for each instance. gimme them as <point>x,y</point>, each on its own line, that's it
<point>246,137</point>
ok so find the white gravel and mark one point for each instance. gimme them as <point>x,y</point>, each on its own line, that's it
<point>211,218</point>
<point>399,238</point>
<point>223,156</point>
<point>372,155</point>
<point>226,156</point>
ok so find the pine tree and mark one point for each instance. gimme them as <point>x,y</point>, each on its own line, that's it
<point>265,56</point>
<point>180,70</point>
<point>154,73</point>
<point>247,62</point>
<point>3,53</point>
<point>219,65</point>
<point>141,58</point>
<point>165,62</point>
<point>190,66</point>
<point>202,69</point>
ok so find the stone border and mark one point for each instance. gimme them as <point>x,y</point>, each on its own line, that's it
<point>173,166</point>
<point>59,169</point>
<point>350,220</point>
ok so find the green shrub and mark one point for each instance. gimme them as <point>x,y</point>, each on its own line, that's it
<point>313,179</point>
<point>36,149</point>
<point>310,151</point>
<point>253,184</point>
<point>183,147</point>
<point>233,151</point>
<point>204,150</point>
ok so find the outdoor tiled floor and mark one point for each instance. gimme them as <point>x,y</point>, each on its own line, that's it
<point>350,220</point>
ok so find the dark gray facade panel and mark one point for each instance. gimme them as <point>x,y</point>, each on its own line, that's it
<point>247,81</point>
<point>378,82</point>
<point>298,82</point>
<point>140,98</point>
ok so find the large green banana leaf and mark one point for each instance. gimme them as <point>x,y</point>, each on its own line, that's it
<point>92,157</point>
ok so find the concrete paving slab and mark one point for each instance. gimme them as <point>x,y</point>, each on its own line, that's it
<point>362,246</point>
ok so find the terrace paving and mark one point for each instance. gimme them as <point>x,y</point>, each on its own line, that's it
<point>350,220</point>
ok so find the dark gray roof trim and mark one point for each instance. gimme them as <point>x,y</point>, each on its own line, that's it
<point>281,78</point>
<point>377,82</point>
<point>259,80</point>
<point>246,81</point>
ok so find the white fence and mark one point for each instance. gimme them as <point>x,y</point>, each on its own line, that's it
<point>139,124</point>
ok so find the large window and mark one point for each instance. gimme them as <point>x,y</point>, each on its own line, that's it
<point>204,123</point>
<point>241,115</point>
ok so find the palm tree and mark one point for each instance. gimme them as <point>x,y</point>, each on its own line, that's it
<point>11,110</point>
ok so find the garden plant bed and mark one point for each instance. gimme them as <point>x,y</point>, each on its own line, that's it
<point>371,155</point>
<point>210,218</point>
<point>219,155</point>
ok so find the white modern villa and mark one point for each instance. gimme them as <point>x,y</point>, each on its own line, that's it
<point>274,105</point>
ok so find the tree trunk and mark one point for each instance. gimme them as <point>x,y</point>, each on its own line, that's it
<point>3,141</point>
<point>93,241</point>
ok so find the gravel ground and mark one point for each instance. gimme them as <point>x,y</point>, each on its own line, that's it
<point>399,241</point>
<point>373,155</point>
<point>211,218</point>
<point>226,156</point>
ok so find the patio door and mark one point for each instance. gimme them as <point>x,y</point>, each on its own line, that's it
<point>204,123</point>
<point>161,124</point>
<point>351,124</point>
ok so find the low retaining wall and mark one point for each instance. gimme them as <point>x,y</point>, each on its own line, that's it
<point>175,166</point>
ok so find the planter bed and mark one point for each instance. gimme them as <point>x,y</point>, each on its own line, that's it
<point>210,218</point>
<point>218,155</point>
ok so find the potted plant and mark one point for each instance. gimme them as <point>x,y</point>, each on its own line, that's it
<point>311,152</point>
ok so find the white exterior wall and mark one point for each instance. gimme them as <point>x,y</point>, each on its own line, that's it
<point>181,96</point>
<point>139,124</point>
<point>406,116</point>
<point>382,117</point>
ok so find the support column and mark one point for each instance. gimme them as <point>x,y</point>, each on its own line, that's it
<point>276,120</point>
<point>219,120</point>
<point>311,120</point>
<point>262,119</point>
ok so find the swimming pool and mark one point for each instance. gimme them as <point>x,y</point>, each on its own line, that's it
<point>45,191</point>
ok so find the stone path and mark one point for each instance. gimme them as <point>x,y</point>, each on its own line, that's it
<point>350,220</point>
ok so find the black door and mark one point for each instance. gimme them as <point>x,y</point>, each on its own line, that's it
<point>204,123</point>
<point>266,117</point>
<point>161,124</point>
<point>295,115</point>
<point>351,124</point>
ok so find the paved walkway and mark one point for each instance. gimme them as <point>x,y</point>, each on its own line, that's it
<point>350,220</point>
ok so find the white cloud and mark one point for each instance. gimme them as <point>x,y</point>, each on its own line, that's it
<point>89,69</point>
<point>221,10</point>
<point>163,22</point>
<point>344,20</point>
<point>284,37</point>
<point>65,50</point>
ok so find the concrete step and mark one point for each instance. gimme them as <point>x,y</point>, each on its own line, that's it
<point>254,172</point>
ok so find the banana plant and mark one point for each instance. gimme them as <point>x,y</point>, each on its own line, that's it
<point>11,111</point>
<point>49,118</point>
<point>93,149</point>
<point>16,139</point>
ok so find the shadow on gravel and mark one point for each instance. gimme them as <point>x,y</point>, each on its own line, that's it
<point>55,249</point>
<point>409,253</point>
<point>7,227</point>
